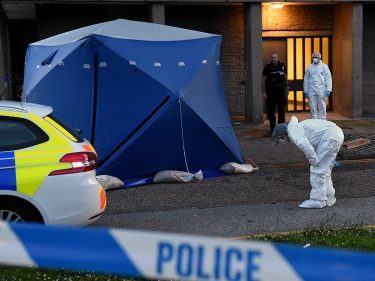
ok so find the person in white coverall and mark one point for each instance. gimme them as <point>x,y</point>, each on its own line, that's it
<point>320,140</point>
<point>317,85</point>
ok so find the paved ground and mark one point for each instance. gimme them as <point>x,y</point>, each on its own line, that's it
<point>259,202</point>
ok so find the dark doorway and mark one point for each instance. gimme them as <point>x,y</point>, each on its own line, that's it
<point>277,45</point>
<point>21,33</point>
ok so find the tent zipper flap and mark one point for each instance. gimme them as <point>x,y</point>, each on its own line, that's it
<point>135,130</point>
<point>95,99</point>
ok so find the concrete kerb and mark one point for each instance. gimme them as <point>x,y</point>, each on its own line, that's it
<point>285,233</point>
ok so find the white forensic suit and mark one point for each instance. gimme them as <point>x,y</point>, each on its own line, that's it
<point>316,83</point>
<point>320,140</point>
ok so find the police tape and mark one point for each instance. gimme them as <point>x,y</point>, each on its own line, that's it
<point>157,255</point>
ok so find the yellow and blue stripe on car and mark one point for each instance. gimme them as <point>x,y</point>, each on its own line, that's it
<point>24,170</point>
<point>7,171</point>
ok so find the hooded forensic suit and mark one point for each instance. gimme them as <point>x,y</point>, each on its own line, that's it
<point>317,84</point>
<point>320,140</point>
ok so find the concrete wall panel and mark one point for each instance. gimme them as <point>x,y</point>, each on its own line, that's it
<point>368,60</point>
<point>253,63</point>
<point>342,59</point>
<point>357,31</point>
<point>55,19</point>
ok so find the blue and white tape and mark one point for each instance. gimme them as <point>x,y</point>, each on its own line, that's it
<point>169,256</point>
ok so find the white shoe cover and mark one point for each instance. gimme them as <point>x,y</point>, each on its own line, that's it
<point>331,201</point>
<point>313,204</point>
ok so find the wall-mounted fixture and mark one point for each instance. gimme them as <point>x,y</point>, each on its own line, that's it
<point>277,5</point>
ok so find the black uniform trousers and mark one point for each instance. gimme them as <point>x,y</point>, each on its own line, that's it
<point>276,97</point>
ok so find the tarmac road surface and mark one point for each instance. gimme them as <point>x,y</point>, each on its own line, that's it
<point>239,205</point>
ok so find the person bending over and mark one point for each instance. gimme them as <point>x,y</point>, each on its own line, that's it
<point>320,140</point>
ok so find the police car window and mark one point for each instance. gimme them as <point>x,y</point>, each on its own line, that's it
<point>18,133</point>
<point>71,131</point>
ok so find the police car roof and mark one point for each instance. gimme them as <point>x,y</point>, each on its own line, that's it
<point>24,107</point>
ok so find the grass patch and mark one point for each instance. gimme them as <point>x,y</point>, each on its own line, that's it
<point>10,273</point>
<point>354,238</point>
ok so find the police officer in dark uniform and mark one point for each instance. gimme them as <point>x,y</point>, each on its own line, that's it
<point>274,85</point>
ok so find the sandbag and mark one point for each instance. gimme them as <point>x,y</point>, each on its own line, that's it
<point>109,182</point>
<point>173,176</point>
<point>235,168</point>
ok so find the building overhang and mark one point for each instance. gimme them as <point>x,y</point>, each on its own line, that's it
<point>25,9</point>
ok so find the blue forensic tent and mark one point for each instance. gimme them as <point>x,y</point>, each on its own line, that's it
<point>149,97</point>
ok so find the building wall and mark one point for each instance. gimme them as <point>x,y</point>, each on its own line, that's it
<point>368,60</point>
<point>297,17</point>
<point>55,19</point>
<point>226,20</point>
<point>357,65</point>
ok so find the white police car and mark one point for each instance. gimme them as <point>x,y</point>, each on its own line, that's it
<point>47,170</point>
